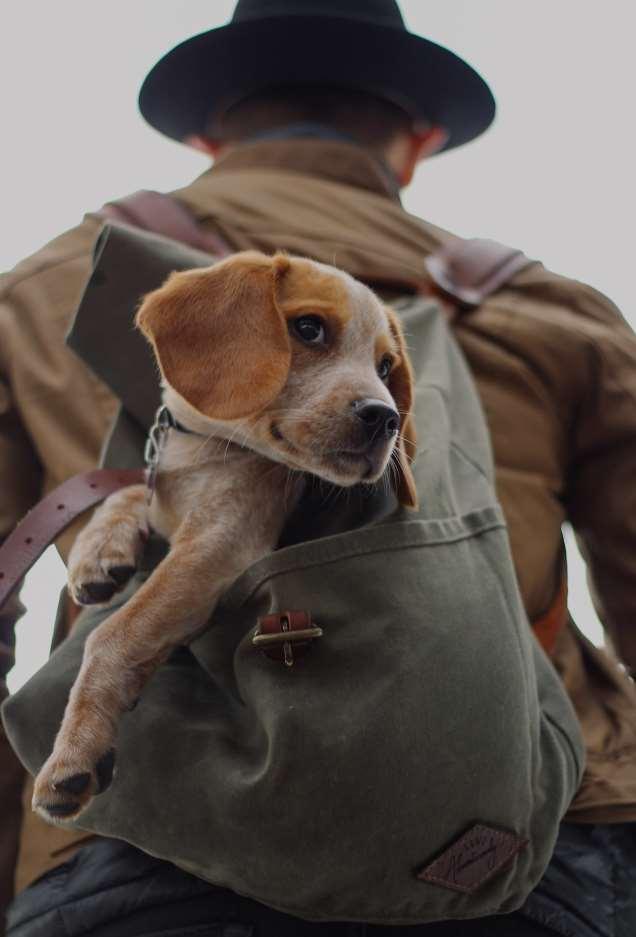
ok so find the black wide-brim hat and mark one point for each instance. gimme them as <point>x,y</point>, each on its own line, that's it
<point>361,44</point>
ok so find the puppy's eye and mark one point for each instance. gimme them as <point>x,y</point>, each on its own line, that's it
<point>384,368</point>
<point>309,329</point>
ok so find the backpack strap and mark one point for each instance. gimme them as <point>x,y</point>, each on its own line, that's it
<point>163,214</point>
<point>46,521</point>
<point>465,270</point>
<point>468,271</point>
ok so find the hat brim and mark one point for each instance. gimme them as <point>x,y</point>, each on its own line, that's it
<point>195,83</point>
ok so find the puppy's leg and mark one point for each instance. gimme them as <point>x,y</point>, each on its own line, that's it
<point>121,655</point>
<point>106,552</point>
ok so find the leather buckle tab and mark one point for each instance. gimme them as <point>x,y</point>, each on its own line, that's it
<point>285,636</point>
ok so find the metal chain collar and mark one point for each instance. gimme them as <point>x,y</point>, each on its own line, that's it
<point>164,422</point>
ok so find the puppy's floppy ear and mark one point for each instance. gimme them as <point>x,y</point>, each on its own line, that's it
<point>400,385</point>
<point>218,335</point>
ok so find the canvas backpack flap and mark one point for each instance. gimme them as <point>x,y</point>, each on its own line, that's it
<point>127,263</point>
<point>414,765</point>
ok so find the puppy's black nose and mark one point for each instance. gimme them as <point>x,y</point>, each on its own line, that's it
<point>379,420</point>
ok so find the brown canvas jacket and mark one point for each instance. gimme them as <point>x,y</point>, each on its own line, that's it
<point>555,366</point>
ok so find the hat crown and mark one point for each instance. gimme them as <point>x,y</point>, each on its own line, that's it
<point>361,44</point>
<point>382,12</point>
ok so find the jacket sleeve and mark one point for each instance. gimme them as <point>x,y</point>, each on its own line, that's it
<point>20,485</point>
<point>602,475</point>
<point>20,482</point>
<point>20,472</point>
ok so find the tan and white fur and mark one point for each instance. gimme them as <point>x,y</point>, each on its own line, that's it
<point>281,368</point>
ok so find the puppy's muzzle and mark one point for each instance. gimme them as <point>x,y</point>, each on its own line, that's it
<point>379,421</point>
<point>375,425</point>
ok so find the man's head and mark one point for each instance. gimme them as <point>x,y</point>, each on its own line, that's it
<point>378,125</point>
<point>291,60</point>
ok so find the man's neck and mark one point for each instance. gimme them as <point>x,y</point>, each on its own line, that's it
<point>327,156</point>
<point>325,199</point>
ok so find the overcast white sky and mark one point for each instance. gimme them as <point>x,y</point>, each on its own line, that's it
<point>553,176</point>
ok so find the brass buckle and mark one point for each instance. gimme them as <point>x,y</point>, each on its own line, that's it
<point>287,637</point>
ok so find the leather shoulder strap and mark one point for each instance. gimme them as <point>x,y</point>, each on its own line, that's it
<point>163,214</point>
<point>468,271</point>
<point>28,540</point>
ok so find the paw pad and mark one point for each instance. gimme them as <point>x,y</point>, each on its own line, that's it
<point>121,574</point>
<point>62,810</point>
<point>92,593</point>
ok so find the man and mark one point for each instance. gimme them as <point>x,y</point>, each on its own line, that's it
<point>311,151</point>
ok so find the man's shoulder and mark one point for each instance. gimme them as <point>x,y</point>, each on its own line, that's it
<point>532,289</point>
<point>567,301</point>
<point>73,245</point>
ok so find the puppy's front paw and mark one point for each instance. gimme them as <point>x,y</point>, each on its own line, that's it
<point>101,563</point>
<point>67,784</point>
<point>106,552</point>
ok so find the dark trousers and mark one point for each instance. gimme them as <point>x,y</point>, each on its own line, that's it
<point>110,889</point>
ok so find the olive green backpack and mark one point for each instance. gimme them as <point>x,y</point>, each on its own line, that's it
<point>414,763</point>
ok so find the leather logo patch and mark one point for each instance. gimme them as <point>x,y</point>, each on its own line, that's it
<point>473,859</point>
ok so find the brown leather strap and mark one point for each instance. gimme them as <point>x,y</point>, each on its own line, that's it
<point>468,271</point>
<point>50,516</point>
<point>166,215</point>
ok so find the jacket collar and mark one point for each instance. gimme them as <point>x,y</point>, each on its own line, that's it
<point>331,159</point>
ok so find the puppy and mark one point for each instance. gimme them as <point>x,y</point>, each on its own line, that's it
<point>273,368</point>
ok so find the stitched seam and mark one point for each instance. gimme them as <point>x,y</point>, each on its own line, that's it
<point>411,533</point>
<point>380,548</point>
